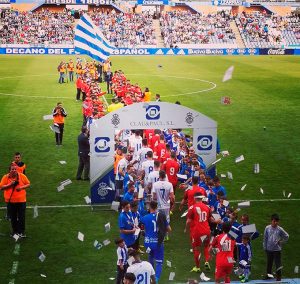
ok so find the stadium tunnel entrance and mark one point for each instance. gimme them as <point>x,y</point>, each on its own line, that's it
<point>152,115</point>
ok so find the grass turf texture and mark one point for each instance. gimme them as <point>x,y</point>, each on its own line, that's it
<point>264,92</point>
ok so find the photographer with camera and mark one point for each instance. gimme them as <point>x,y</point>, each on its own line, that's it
<point>14,185</point>
<point>59,114</point>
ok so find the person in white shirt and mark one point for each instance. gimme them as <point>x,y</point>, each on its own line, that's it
<point>136,144</point>
<point>142,153</point>
<point>153,176</point>
<point>147,167</point>
<point>142,270</point>
<point>163,193</point>
<point>121,171</point>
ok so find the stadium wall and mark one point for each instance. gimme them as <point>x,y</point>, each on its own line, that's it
<point>154,51</point>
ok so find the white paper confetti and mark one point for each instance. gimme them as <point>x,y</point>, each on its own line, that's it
<point>107,227</point>
<point>243,187</point>
<point>80,236</point>
<point>296,269</point>
<point>35,211</point>
<point>228,74</point>
<point>225,153</point>
<point>68,270</point>
<point>106,242</point>
<point>184,214</point>
<point>239,159</point>
<point>16,237</point>
<point>60,188</point>
<point>229,175</point>
<point>261,191</point>
<point>171,276</point>
<point>48,117</point>
<point>148,250</point>
<point>203,277</point>
<point>87,200</point>
<point>223,176</point>
<point>283,192</point>
<point>66,182</point>
<point>62,162</point>
<point>256,168</point>
<point>97,245</point>
<point>41,256</point>
<point>244,204</point>
<point>289,195</point>
<point>43,275</point>
<point>169,264</point>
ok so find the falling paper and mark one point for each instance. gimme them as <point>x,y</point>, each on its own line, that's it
<point>203,277</point>
<point>249,229</point>
<point>256,168</point>
<point>35,211</point>
<point>270,275</point>
<point>243,187</point>
<point>141,193</point>
<point>16,237</point>
<point>106,242</point>
<point>225,203</point>
<point>111,278</point>
<point>107,227</point>
<point>261,191</point>
<point>43,275</point>
<point>148,250</point>
<point>60,188</point>
<point>169,264</point>
<point>54,128</point>
<point>239,159</point>
<point>182,176</point>
<point>66,182</point>
<point>244,204</point>
<point>171,276</point>
<point>223,176</point>
<point>62,162</point>
<point>225,153</point>
<point>229,175</point>
<point>279,268</point>
<point>283,193</point>
<point>87,200</point>
<point>137,231</point>
<point>233,234</point>
<point>228,74</point>
<point>296,270</point>
<point>80,236</point>
<point>41,256</point>
<point>115,205</point>
<point>213,163</point>
<point>289,195</point>
<point>48,117</point>
<point>216,216</point>
<point>68,270</point>
<point>230,259</point>
<point>184,214</point>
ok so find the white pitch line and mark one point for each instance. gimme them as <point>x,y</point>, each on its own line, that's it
<point>21,76</point>
<point>35,97</point>
<point>108,204</point>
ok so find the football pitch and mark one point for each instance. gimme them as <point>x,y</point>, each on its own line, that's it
<point>262,123</point>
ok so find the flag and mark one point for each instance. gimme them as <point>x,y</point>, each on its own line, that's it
<point>89,40</point>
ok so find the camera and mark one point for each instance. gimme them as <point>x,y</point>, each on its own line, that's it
<point>15,183</point>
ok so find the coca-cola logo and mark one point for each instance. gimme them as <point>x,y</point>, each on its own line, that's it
<point>276,51</point>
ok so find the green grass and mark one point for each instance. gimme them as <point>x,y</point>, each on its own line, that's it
<point>264,92</point>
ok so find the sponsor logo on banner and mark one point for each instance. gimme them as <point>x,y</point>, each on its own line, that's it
<point>204,142</point>
<point>153,112</point>
<point>115,120</point>
<point>101,144</point>
<point>103,189</point>
<point>276,51</point>
<point>82,2</point>
<point>189,119</point>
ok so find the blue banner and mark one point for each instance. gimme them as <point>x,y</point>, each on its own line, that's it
<point>156,51</point>
<point>152,2</point>
<point>79,2</point>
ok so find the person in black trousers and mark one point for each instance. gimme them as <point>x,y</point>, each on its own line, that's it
<point>108,79</point>
<point>83,154</point>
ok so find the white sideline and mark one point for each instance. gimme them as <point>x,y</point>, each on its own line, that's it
<point>103,205</point>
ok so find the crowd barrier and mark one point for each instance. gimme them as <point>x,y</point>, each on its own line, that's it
<point>156,51</point>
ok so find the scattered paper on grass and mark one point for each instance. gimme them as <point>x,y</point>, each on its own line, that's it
<point>225,153</point>
<point>228,74</point>
<point>182,176</point>
<point>115,205</point>
<point>87,200</point>
<point>169,264</point>
<point>203,277</point>
<point>243,187</point>
<point>68,270</point>
<point>35,211</point>
<point>107,227</point>
<point>41,256</point>
<point>244,204</point>
<point>60,188</point>
<point>66,182</point>
<point>270,275</point>
<point>289,195</point>
<point>225,203</point>
<point>217,161</point>
<point>106,242</point>
<point>80,236</point>
<point>223,176</point>
<point>184,214</point>
<point>283,192</point>
<point>229,175</point>
<point>43,275</point>
<point>171,276</point>
<point>16,237</point>
<point>47,117</point>
<point>239,159</point>
<point>296,269</point>
<point>62,162</point>
<point>261,191</point>
<point>256,168</point>
<point>97,245</point>
<point>249,229</point>
<point>112,278</point>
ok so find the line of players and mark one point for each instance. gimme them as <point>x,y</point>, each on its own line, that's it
<point>147,165</point>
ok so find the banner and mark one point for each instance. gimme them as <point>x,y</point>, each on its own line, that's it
<point>152,2</point>
<point>7,1</point>
<point>155,51</point>
<point>80,2</point>
<point>152,115</point>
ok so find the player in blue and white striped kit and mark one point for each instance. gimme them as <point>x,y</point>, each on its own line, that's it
<point>245,257</point>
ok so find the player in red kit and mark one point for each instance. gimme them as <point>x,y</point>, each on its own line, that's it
<point>153,142</point>
<point>198,218</point>
<point>161,148</point>
<point>171,168</point>
<point>224,247</point>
